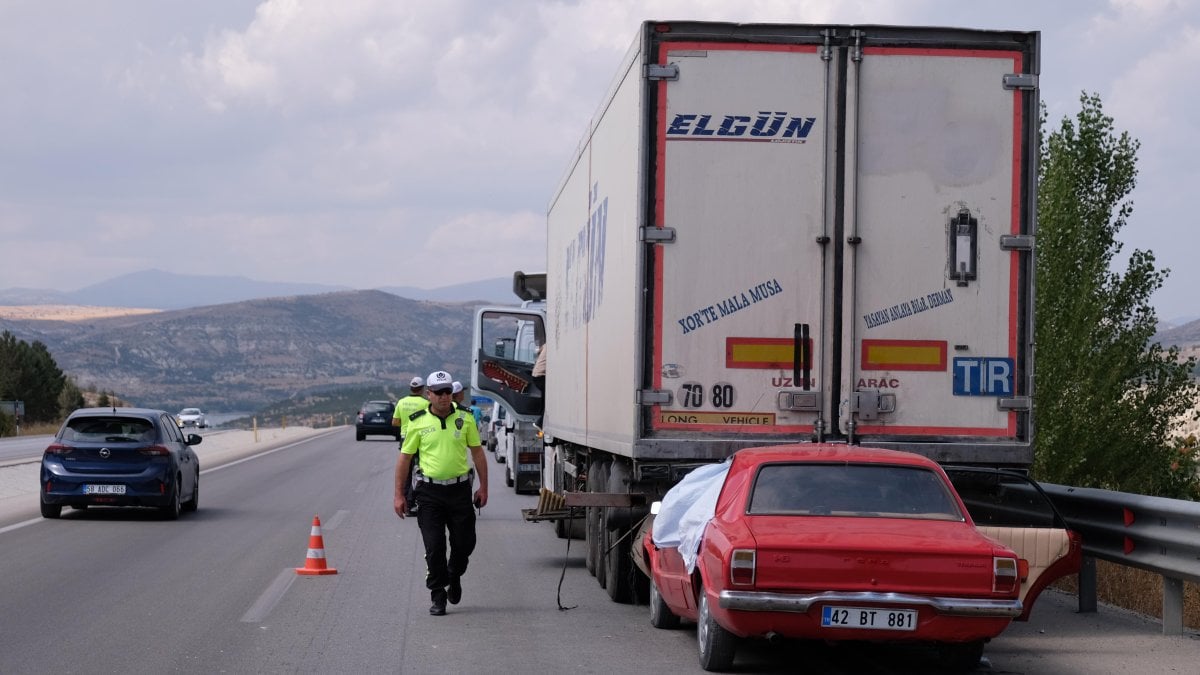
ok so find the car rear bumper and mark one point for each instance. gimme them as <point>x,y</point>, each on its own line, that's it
<point>378,430</point>
<point>146,488</point>
<point>758,601</point>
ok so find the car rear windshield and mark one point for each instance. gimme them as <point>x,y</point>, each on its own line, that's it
<point>866,490</point>
<point>108,429</point>
<point>374,406</point>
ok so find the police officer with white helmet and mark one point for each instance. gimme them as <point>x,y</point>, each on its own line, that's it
<point>441,437</point>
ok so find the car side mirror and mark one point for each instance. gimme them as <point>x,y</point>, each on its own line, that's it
<point>194,439</point>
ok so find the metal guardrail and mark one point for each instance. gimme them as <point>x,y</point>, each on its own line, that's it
<point>1155,534</point>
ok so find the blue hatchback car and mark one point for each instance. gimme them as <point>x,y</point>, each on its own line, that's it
<point>120,457</point>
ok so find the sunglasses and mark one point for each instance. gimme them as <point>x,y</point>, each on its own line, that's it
<point>441,392</point>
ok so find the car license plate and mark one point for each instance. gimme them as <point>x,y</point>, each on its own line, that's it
<point>104,489</point>
<point>868,617</point>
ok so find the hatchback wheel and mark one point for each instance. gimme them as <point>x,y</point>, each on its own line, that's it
<point>193,503</point>
<point>717,645</point>
<point>51,510</point>
<point>172,508</point>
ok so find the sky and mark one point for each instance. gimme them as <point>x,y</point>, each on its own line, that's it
<point>372,143</point>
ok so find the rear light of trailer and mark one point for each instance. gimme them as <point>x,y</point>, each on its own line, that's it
<point>529,457</point>
<point>741,567</point>
<point>1006,576</point>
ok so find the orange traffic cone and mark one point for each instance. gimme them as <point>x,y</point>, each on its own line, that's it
<point>314,563</point>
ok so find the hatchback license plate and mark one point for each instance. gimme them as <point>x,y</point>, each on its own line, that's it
<point>868,617</point>
<point>103,489</point>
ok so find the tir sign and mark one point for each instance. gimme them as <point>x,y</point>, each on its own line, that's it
<point>983,377</point>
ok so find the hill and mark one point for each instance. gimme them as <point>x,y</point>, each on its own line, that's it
<point>156,289</point>
<point>241,356</point>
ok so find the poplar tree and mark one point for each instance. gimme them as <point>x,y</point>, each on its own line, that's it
<point>1108,401</point>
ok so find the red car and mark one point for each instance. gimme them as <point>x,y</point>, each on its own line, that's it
<point>840,542</point>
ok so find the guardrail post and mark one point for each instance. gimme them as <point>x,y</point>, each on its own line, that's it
<point>1087,585</point>
<point>1172,606</point>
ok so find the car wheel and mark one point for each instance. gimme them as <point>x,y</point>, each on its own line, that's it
<point>717,645</point>
<point>960,656</point>
<point>51,510</point>
<point>193,503</point>
<point>508,478</point>
<point>359,436</point>
<point>171,510</point>
<point>661,616</point>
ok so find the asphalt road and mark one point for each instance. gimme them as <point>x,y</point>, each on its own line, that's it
<point>111,590</point>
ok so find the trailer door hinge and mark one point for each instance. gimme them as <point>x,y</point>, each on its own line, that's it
<point>1020,81</point>
<point>653,397</point>
<point>656,71</point>
<point>1016,242</point>
<point>1018,404</point>
<point>657,235</point>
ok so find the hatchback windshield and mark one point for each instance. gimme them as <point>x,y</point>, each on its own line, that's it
<point>871,490</point>
<point>108,429</point>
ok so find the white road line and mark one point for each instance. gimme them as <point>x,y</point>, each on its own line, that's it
<point>270,597</point>
<point>17,526</point>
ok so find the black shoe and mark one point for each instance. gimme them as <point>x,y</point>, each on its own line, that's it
<point>454,592</point>
<point>438,608</point>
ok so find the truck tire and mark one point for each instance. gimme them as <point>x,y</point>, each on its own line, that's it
<point>597,480</point>
<point>618,565</point>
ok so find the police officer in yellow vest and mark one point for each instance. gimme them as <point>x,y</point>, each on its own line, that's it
<point>441,438</point>
<point>405,407</point>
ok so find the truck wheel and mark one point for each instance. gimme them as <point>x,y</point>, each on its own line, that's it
<point>597,482</point>
<point>618,566</point>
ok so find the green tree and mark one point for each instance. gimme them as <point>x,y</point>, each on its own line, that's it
<point>1108,401</point>
<point>28,373</point>
<point>103,400</point>
<point>70,398</point>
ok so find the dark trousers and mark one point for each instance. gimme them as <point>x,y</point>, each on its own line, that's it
<point>445,510</point>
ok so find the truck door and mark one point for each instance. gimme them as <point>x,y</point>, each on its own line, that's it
<point>936,277</point>
<point>740,289</point>
<point>506,341</point>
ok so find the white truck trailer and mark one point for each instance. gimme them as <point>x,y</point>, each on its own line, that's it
<point>785,233</point>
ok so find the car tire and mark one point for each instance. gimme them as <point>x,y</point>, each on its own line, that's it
<point>661,615</point>
<point>717,645</point>
<point>51,510</point>
<point>194,503</point>
<point>508,477</point>
<point>359,436</point>
<point>960,657</point>
<point>173,507</point>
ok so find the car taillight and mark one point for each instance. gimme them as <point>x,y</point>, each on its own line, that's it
<point>1006,575</point>
<point>59,449</point>
<point>155,450</point>
<point>741,567</point>
<point>361,416</point>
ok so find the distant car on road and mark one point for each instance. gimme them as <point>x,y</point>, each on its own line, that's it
<point>120,457</point>
<point>192,417</point>
<point>842,543</point>
<point>375,418</point>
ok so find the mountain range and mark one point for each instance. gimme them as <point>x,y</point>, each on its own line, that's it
<point>244,354</point>
<point>156,289</point>
<point>240,356</point>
